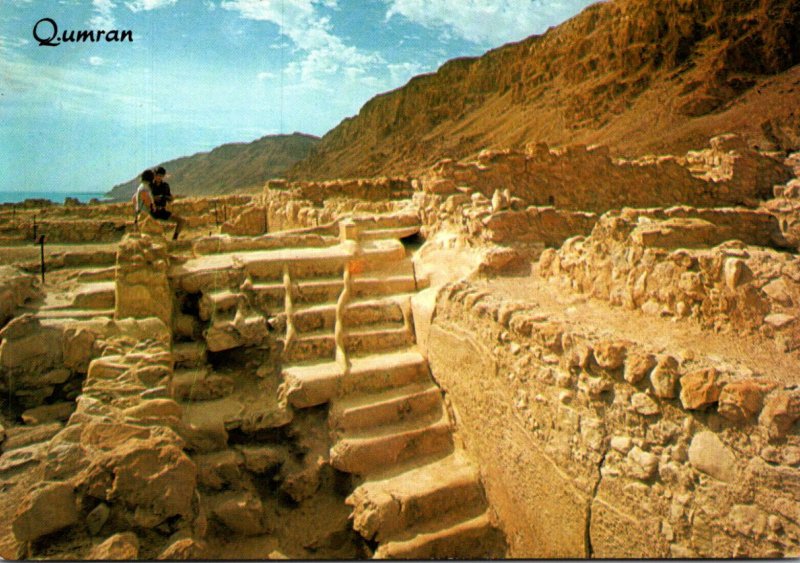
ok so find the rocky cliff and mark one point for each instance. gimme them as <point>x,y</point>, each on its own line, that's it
<point>639,76</point>
<point>230,168</point>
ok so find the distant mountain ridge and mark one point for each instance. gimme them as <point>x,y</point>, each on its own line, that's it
<point>229,168</point>
<point>640,76</point>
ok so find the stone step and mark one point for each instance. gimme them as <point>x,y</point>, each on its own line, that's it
<point>392,406</point>
<point>318,262</point>
<point>390,233</point>
<point>270,296</point>
<point>370,450</point>
<point>94,296</point>
<point>317,383</point>
<point>357,313</point>
<point>321,345</point>
<point>97,274</point>
<point>382,508</point>
<point>216,302</point>
<point>387,221</point>
<point>189,354</point>
<point>73,313</point>
<point>451,538</point>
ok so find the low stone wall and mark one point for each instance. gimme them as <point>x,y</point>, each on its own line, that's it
<point>669,267</point>
<point>594,447</point>
<point>364,189</point>
<point>501,220</point>
<point>289,209</point>
<point>117,470</point>
<point>577,178</point>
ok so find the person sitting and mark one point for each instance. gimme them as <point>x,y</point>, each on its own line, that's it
<point>161,196</point>
<point>143,198</point>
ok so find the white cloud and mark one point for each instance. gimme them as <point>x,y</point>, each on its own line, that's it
<point>325,54</point>
<point>96,61</point>
<point>487,22</point>
<point>266,75</point>
<point>401,73</point>
<point>145,5</point>
<point>103,17</point>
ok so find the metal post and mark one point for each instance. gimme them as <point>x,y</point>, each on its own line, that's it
<point>41,249</point>
<point>216,214</point>
<point>34,228</point>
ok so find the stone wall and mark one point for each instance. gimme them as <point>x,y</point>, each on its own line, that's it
<point>595,447</point>
<point>681,267</point>
<point>500,221</point>
<point>305,205</point>
<point>364,189</point>
<point>117,470</point>
<point>142,288</point>
<point>577,178</point>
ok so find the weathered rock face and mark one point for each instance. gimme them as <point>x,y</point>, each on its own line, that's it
<point>587,451</point>
<point>15,289</point>
<point>589,80</point>
<point>142,287</point>
<point>666,267</point>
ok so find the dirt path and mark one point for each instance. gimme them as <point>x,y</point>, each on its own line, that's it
<point>676,336</point>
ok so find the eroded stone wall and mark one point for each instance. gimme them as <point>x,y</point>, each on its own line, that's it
<point>577,178</point>
<point>681,267</point>
<point>592,446</point>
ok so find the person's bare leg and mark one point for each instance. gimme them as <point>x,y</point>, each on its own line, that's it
<point>179,224</point>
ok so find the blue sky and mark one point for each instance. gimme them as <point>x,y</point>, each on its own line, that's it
<point>84,116</point>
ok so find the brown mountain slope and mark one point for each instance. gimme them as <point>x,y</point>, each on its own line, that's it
<point>230,168</point>
<point>637,75</point>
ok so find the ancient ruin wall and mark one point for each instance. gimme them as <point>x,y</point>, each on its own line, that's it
<point>577,178</point>
<point>681,267</point>
<point>591,446</point>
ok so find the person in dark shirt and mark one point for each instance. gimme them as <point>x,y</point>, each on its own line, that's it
<point>161,197</point>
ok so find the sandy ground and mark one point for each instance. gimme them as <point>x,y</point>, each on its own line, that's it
<point>674,336</point>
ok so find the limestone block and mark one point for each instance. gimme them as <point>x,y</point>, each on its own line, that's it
<point>241,512</point>
<point>219,469</point>
<point>610,355</point>
<point>781,411</point>
<point>622,444</point>
<point>637,366</point>
<point>154,409</point>
<point>260,459</point>
<point>644,404</point>
<point>304,483</point>
<point>186,549</point>
<point>250,221</point>
<point>664,377</point>
<point>44,510</point>
<point>741,400</point>
<point>48,413</point>
<point>699,389</point>
<point>77,348</point>
<point>709,455</point>
<point>120,546</point>
<point>97,518</point>
<point>641,465</point>
<point>29,346</point>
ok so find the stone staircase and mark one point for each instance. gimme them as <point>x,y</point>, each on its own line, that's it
<point>419,497</point>
<point>339,317</point>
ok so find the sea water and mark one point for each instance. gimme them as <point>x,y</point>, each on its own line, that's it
<point>55,197</point>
